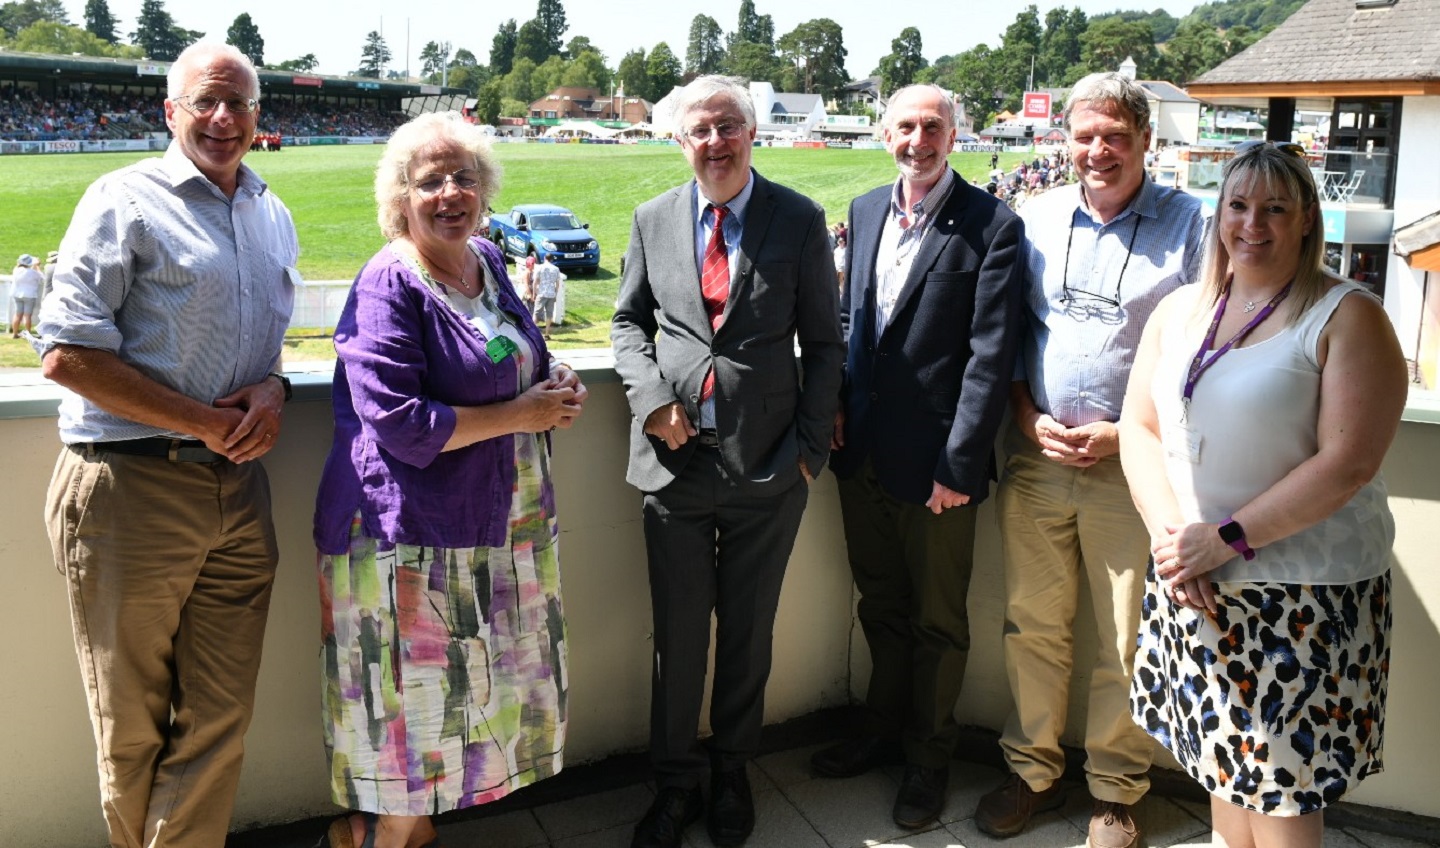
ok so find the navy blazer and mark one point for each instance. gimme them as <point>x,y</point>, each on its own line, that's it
<point>924,398</point>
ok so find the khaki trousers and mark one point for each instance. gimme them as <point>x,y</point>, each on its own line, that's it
<point>169,567</point>
<point>1061,527</point>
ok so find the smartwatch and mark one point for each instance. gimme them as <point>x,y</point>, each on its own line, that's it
<point>1232,534</point>
<point>284,381</point>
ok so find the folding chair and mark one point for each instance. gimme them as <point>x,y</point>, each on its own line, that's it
<point>1343,192</point>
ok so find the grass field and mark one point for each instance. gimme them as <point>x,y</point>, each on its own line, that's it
<point>329,192</point>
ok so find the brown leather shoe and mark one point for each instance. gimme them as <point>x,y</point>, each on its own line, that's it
<point>1111,826</point>
<point>1007,810</point>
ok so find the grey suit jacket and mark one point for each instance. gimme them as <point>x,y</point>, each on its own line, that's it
<point>769,412</point>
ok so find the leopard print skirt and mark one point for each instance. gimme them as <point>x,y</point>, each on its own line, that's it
<point>1277,702</point>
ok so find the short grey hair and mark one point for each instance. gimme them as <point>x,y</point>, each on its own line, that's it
<point>429,130</point>
<point>947,107</point>
<point>1111,89</point>
<point>200,54</point>
<point>702,90</point>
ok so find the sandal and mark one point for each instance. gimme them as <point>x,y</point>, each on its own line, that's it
<point>340,836</point>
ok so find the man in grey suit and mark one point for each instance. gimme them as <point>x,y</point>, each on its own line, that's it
<point>723,275</point>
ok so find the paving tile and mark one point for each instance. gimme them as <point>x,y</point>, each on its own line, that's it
<point>613,837</point>
<point>786,768</point>
<point>937,838</point>
<point>1337,838</point>
<point>513,830</point>
<point>848,812</point>
<point>968,783</point>
<point>593,813</point>
<point>1049,830</point>
<point>777,825</point>
<point>1371,839</point>
<point>1161,821</point>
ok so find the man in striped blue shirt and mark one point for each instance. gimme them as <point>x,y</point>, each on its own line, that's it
<point>1101,256</point>
<point>173,290</point>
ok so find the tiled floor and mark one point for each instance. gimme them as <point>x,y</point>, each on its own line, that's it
<point>794,810</point>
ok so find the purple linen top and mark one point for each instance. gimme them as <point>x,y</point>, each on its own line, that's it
<point>404,360</point>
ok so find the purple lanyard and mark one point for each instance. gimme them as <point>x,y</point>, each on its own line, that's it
<point>1200,364</point>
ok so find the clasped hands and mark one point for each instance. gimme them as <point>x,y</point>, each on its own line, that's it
<point>1183,554</point>
<point>1081,446</point>
<point>554,402</point>
<point>248,421</point>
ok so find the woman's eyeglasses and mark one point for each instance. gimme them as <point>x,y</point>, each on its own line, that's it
<point>1283,146</point>
<point>464,179</point>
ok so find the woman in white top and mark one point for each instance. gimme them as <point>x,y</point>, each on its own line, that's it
<point>25,283</point>
<point>1262,402</point>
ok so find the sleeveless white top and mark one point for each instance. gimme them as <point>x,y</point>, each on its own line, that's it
<point>1255,414</point>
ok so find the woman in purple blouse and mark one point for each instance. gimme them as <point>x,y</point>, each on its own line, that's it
<point>443,631</point>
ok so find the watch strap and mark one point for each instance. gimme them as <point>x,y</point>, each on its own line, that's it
<point>1232,534</point>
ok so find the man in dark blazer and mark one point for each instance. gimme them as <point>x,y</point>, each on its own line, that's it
<point>933,306</point>
<point>727,433</point>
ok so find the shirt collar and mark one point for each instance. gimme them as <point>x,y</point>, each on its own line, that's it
<point>181,169</point>
<point>736,204</point>
<point>933,199</point>
<point>1145,203</point>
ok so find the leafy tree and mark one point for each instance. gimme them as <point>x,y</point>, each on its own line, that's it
<point>704,55</point>
<point>1108,42</point>
<point>663,69</point>
<point>1255,14</point>
<point>99,21</point>
<point>502,49</point>
<point>588,70</point>
<point>547,76</point>
<point>754,62</point>
<point>905,61</point>
<point>245,37</point>
<point>305,64</point>
<point>1195,48</point>
<point>512,108</point>
<point>434,58</point>
<point>1059,45</point>
<point>816,51</point>
<point>156,32</point>
<point>531,43</point>
<point>466,72</point>
<point>633,76</point>
<point>1162,24</point>
<point>374,56</point>
<point>974,77</point>
<point>579,44</point>
<point>1019,47</point>
<point>488,102</point>
<point>753,28</point>
<point>52,37</point>
<point>519,84</point>
<point>16,16</point>
<point>550,16</point>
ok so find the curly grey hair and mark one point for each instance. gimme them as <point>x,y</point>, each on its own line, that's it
<point>433,129</point>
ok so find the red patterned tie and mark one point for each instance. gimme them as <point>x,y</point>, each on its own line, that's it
<point>715,285</point>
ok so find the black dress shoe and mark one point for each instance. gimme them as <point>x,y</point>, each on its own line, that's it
<point>855,756</point>
<point>664,825</point>
<point>922,796</point>
<point>732,812</point>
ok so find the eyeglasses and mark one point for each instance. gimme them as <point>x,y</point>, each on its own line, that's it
<point>1081,297</point>
<point>205,105</point>
<point>725,131</point>
<point>1283,146</point>
<point>464,179</point>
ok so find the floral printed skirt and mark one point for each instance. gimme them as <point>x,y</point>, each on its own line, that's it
<point>1277,702</point>
<point>444,679</point>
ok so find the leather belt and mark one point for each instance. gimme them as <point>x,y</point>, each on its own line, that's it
<point>707,438</point>
<point>175,450</point>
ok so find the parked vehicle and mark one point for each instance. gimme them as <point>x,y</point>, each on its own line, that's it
<point>540,230</point>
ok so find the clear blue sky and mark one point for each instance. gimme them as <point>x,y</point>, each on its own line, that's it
<point>335,31</point>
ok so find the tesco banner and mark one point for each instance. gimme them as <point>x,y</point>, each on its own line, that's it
<point>1036,106</point>
<point>62,147</point>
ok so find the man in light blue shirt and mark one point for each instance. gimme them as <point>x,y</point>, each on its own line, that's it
<point>173,290</point>
<point>1102,254</point>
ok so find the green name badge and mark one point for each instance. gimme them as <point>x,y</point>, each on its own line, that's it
<point>500,347</point>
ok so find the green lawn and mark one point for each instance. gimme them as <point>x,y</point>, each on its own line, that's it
<point>329,191</point>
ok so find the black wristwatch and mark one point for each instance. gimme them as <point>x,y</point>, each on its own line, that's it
<point>1232,534</point>
<point>284,381</point>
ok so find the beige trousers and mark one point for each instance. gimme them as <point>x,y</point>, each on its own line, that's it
<point>1062,528</point>
<point>169,567</point>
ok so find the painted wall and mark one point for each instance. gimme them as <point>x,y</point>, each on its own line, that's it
<point>48,788</point>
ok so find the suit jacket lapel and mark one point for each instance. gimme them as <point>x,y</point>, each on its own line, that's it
<point>758,213</point>
<point>869,220</point>
<point>679,247</point>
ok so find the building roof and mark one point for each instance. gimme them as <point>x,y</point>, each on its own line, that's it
<point>1166,92</point>
<point>1369,46</point>
<point>790,104</point>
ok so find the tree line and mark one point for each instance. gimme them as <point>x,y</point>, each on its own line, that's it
<point>528,60</point>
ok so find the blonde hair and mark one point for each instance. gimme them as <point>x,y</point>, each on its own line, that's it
<point>1280,173</point>
<point>431,129</point>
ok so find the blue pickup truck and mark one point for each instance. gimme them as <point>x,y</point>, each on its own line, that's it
<point>543,230</point>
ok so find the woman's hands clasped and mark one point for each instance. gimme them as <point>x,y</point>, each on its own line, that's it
<point>1183,555</point>
<point>555,402</point>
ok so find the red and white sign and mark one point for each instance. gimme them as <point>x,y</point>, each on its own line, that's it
<point>1036,107</point>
